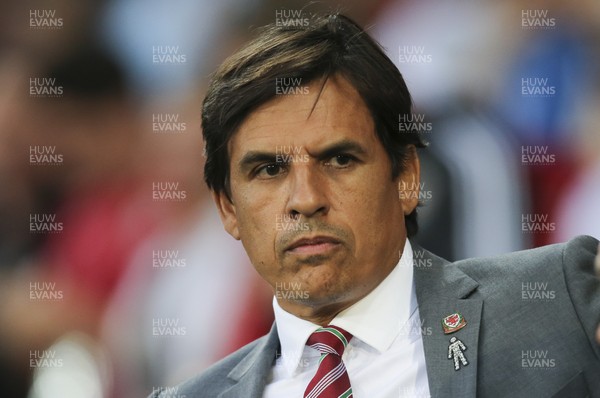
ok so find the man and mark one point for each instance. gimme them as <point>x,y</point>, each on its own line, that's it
<point>309,170</point>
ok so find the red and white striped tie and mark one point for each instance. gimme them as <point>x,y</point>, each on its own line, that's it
<point>331,380</point>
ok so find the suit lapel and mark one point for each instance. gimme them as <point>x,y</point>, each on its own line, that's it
<point>251,373</point>
<point>443,289</point>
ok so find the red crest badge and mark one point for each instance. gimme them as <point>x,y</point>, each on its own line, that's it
<point>453,322</point>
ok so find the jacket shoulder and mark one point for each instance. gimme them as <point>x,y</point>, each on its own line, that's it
<point>557,260</point>
<point>212,381</point>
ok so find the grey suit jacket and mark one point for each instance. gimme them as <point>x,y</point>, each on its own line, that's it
<point>531,320</point>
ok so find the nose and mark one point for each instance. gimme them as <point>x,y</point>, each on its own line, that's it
<point>307,195</point>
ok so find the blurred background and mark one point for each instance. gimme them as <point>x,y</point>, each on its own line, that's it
<point>116,277</point>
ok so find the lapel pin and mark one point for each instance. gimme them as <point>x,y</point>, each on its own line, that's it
<point>453,322</point>
<point>455,351</point>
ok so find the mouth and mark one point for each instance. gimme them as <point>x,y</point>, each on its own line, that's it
<point>315,245</point>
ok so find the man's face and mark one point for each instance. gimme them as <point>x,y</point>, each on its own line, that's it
<point>313,200</point>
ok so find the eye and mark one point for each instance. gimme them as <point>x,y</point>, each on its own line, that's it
<point>340,161</point>
<point>269,170</point>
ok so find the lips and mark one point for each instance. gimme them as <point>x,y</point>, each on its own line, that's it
<point>313,245</point>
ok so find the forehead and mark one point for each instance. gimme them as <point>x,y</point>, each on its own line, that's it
<point>308,119</point>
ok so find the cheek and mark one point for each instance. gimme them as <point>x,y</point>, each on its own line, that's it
<point>375,216</point>
<point>256,224</point>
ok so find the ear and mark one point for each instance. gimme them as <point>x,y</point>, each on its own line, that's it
<point>409,179</point>
<point>227,213</point>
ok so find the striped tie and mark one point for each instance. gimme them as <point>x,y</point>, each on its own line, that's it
<point>331,380</point>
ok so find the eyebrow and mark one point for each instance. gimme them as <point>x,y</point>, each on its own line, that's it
<point>343,146</point>
<point>252,158</point>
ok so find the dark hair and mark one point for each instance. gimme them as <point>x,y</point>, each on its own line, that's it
<point>326,45</point>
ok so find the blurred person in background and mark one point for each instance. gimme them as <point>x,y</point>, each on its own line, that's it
<point>97,187</point>
<point>72,149</point>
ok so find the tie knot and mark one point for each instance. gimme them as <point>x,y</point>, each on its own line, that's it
<point>329,340</point>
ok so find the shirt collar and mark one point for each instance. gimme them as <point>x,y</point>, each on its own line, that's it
<point>376,319</point>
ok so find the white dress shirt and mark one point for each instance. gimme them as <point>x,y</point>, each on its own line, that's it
<point>384,359</point>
